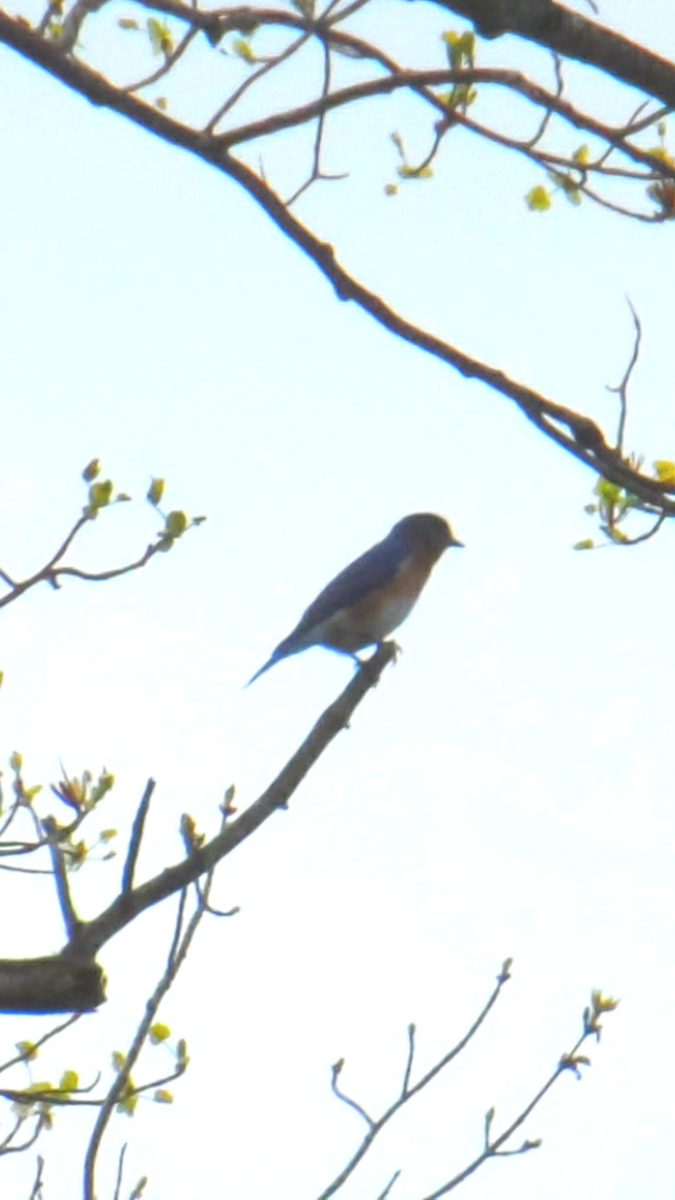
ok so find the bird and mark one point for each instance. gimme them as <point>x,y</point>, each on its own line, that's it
<point>373,595</point>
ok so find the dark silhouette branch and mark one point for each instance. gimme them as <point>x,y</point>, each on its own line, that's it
<point>58,983</point>
<point>622,389</point>
<point>72,980</point>
<point>36,1192</point>
<point>571,35</point>
<point>25,1055</point>
<point>127,906</point>
<point>180,946</point>
<point>54,570</point>
<point>136,837</point>
<point>573,431</point>
<point>493,1147</point>
<point>376,1126</point>
<point>59,869</point>
<point>423,80</point>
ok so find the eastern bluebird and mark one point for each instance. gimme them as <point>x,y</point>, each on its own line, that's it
<point>374,594</point>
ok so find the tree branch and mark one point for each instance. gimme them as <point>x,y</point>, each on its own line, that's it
<point>72,981</point>
<point>125,908</point>
<point>568,33</point>
<point>407,1092</point>
<point>576,433</point>
<point>136,837</point>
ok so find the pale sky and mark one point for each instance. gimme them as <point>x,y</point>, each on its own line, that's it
<point>506,790</point>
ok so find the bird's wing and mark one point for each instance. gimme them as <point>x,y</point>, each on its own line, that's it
<point>368,573</point>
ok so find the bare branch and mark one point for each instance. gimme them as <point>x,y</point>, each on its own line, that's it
<point>72,980</point>
<point>180,946</point>
<point>253,79</point>
<point>36,1192</point>
<point>24,1055</point>
<point>52,984</point>
<point>409,1064</point>
<point>126,907</point>
<point>168,64</point>
<point>136,837</point>
<point>376,1126</point>
<point>7,1148</point>
<point>568,33</point>
<point>573,431</point>
<point>571,1061</point>
<point>622,389</point>
<point>120,1171</point>
<point>387,1191</point>
<point>335,1073</point>
<point>70,917</point>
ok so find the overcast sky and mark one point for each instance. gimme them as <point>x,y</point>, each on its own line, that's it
<point>506,790</point>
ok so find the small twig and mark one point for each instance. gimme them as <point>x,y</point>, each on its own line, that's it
<point>70,918</point>
<point>26,870</point>
<point>383,1195</point>
<point>407,1092</point>
<point>100,576</point>
<point>36,1193</point>
<point>546,119</point>
<point>53,1095</point>
<point>47,572</point>
<point>316,172</point>
<point>568,1062</point>
<point>336,1069</point>
<point>644,537</point>
<point>176,959</point>
<point>52,573</point>
<point>120,1172</point>
<point>40,1122</point>
<point>409,1064</point>
<point>622,389</point>
<point>6,1143</point>
<point>343,13</point>
<point>170,61</point>
<point>24,1055</point>
<point>136,837</point>
<point>268,66</point>
<point>178,930</point>
<point>222,912</point>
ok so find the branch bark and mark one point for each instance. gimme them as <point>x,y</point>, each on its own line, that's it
<point>574,431</point>
<point>72,981</point>
<point>573,36</point>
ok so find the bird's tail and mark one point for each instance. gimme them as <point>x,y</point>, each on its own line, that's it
<point>271,662</point>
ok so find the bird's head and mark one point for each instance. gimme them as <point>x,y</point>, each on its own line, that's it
<point>426,529</point>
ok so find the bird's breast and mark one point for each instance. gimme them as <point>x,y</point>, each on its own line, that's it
<point>377,614</point>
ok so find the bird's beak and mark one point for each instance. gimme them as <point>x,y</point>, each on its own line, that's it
<point>453,541</point>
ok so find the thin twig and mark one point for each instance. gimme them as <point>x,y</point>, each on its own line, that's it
<point>40,1122</point>
<point>126,907</point>
<point>114,1095</point>
<point>387,1191</point>
<point>622,389</point>
<point>407,1092</point>
<point>136,837</point>
<point>316,172</point>
<point>409,1063</point>
<point>546,119</point>
<point>120,1172</point>
<point>25,1055</point>
<point>70,918</point>
<point>167,65</point>
<point>337,1068</point>
<point>248,83</point>
<point>36,1192</point>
